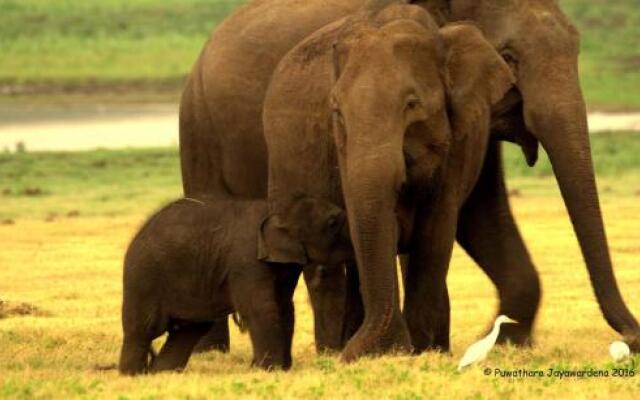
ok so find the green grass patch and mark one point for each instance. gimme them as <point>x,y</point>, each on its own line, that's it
<point>77,42</point>
<point>610,58</point>
<point>614,154</point>
<point>61,286</point>
<point>101,182</point>
<point>52,46</point>
<point>121,182</point>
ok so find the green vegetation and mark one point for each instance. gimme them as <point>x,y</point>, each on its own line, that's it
<point>124,181</point>
<point>614,154</point>
<point>121,182</point>
<point>67,43</point>
<point>52,46</point>
<point>65,222</point>
<point>610,63</point>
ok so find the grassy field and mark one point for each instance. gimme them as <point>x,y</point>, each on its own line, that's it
<point>610,62</point>
<point>138,46</point>
<point>45,185</point>
<point>66,219</point>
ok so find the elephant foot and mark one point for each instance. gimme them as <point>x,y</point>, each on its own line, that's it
<point>369,342</point>
<point>429,339</point>
<point>429,331</point>
<point>272,364</point>
<point>350,329</point>
<point>516,334</point>
<point>421,347</point>
<point>633,340</point>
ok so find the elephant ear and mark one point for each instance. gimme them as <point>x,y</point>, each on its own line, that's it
<point>277,245</point>
<point>510,126</point>
<point>475,76</point>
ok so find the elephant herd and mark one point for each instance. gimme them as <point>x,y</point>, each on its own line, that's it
<point>392,112</point>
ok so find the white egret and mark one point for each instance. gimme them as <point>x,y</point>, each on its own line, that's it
<point>619,350</point>
<point>479,350</point>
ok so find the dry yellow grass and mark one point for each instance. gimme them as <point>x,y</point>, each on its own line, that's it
<point>70,270</point>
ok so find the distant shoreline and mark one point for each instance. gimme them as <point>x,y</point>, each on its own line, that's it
<point>116,126</point>
<point>140,93</point>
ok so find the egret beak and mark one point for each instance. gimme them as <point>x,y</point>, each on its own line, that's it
<point>505,319</point>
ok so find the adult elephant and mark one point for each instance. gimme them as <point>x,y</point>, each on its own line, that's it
<point>222,146</point>
<point>377,135</point>
<point>542,47</point>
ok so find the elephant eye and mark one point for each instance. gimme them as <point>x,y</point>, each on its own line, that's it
<point>509,56</point>
<point>412,103</point>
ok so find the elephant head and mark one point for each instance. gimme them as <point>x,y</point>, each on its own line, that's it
<point>403,91</point>
<point>311,231</point>
<point>542,46</point>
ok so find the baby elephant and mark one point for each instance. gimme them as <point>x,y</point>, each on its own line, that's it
<point>196,261</point>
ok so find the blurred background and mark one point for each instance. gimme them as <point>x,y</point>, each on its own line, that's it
<point>89,93</point>
<point>103,79</point>
<point>78,74</point>
<point>142,49</point>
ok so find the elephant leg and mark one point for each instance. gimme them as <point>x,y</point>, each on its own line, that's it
<point>489,234</point>
<point>264,303</point>
<point>337,306</point>
<point>216,339</point>
<point>442,329</point>
<point>353,307</point>
<point>426,305</point>
<point>270,335</point>
<point>176,351</point>
<point>286,284</point>
<point>134,356</point>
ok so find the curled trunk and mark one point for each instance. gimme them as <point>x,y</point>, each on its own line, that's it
<point>372,175</point>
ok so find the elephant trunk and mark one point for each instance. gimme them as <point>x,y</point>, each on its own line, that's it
<point>559,121</point>
<point>372,175</point>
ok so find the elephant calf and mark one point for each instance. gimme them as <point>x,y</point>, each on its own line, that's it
<point>196,261</point>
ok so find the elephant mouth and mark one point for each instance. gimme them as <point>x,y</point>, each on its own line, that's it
<point>508,124</point>
<point>509,101</point>
<point>422,166</point>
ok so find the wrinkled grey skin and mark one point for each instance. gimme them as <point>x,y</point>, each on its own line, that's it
<point>374,88</point>
<point>196,261</point>
<point>222,146</point>
<point>542,47</point>
<point>222,149</point>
